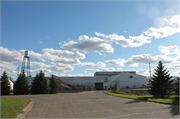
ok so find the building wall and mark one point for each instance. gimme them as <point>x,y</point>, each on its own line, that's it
<point>11,85</point>
<point>112,73</point>
<point>85,81</point>
<point>125,80</point>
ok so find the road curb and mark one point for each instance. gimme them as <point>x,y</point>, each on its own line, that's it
<point>26,111</point>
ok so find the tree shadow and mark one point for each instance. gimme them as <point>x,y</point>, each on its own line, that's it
<point>143,99</point>
<point>174,108</point>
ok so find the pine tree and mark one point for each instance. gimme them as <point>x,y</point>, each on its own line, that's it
<point>5,84</point>
<point>177,87</point>
<point>21,85</point>
<point>53,85</point>
<point>40,84</point>
<point>161,83</point>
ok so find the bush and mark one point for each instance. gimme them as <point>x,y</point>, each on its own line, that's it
<point>115,86</point>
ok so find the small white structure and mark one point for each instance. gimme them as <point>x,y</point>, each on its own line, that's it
<point>11,82</point>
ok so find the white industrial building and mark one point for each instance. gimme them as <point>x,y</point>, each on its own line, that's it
<point>101,80</point>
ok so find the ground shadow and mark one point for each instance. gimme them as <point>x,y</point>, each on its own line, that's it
<point>174,109</point>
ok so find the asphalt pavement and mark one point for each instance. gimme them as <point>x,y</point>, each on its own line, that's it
<point>95,104</point>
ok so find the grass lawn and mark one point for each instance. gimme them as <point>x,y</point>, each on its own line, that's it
<point>11,107</point>
<point>41,94</point>
<point>174,99</point>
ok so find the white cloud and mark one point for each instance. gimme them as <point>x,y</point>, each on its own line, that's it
<point>99,34</point>
<point>141,59</point>
<point>104,44</point>
<point>108,69</point>
<point>69,61</point>
<point>10,56</point>
<point>100,64</point>
<point>133,41</point>
<point>146,58</point>
<point>39,64</point>
<point>91,70</point>
<point>47,37</point>
<point>59,67</point>
<point>119,62</point>
<point>65,53</point>
<point>119,68</point>
<point>5,67</point>
<point>172,27</point>
<point>174,67</point>
<point>167,50</point>
<point>33,55</point>
<point>90,44</point>
<point>90,64</point>
<point>49,56</point>
<point>143,72</point>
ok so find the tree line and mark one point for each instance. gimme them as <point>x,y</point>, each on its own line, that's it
<point>161,84</point>
<point>39,84</point>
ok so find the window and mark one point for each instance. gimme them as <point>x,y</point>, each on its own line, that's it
<point>130,76</point>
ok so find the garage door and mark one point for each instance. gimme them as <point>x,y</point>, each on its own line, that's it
<point>99,86</point>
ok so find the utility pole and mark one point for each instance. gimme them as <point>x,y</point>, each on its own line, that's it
<point>150,70</point>
<point>18,72</point>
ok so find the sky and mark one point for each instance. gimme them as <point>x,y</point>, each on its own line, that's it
<point>78,38</point>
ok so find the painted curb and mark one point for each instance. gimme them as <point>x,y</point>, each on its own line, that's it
<point>26,111</point>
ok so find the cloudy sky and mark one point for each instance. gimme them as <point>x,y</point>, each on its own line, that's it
<point>75,38</point>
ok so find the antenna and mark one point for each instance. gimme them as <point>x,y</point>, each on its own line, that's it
<point>18,71</point>
<point>150,70</point>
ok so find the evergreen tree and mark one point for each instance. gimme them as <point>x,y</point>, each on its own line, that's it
<point>21,86</point>
<point>5,84</point>
<point>40,84</point>
<point>53,85</point>
<point>161,83</point>
<point>177,86</point>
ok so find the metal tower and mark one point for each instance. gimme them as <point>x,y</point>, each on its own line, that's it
<point>27,67</point>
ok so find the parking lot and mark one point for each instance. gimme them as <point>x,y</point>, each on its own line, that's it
<point>95,104</point>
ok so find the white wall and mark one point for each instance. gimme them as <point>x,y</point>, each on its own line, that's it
<point>11,85</point>
<point>125,80</point>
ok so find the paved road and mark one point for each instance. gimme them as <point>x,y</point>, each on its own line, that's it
<point>95,104</point>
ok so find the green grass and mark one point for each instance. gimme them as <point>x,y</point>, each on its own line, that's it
<point>11,107</point>
<point>42,94</point>
<point>174,99</point>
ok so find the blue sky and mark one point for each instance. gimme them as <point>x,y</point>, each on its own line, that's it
<point>76,38</point>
